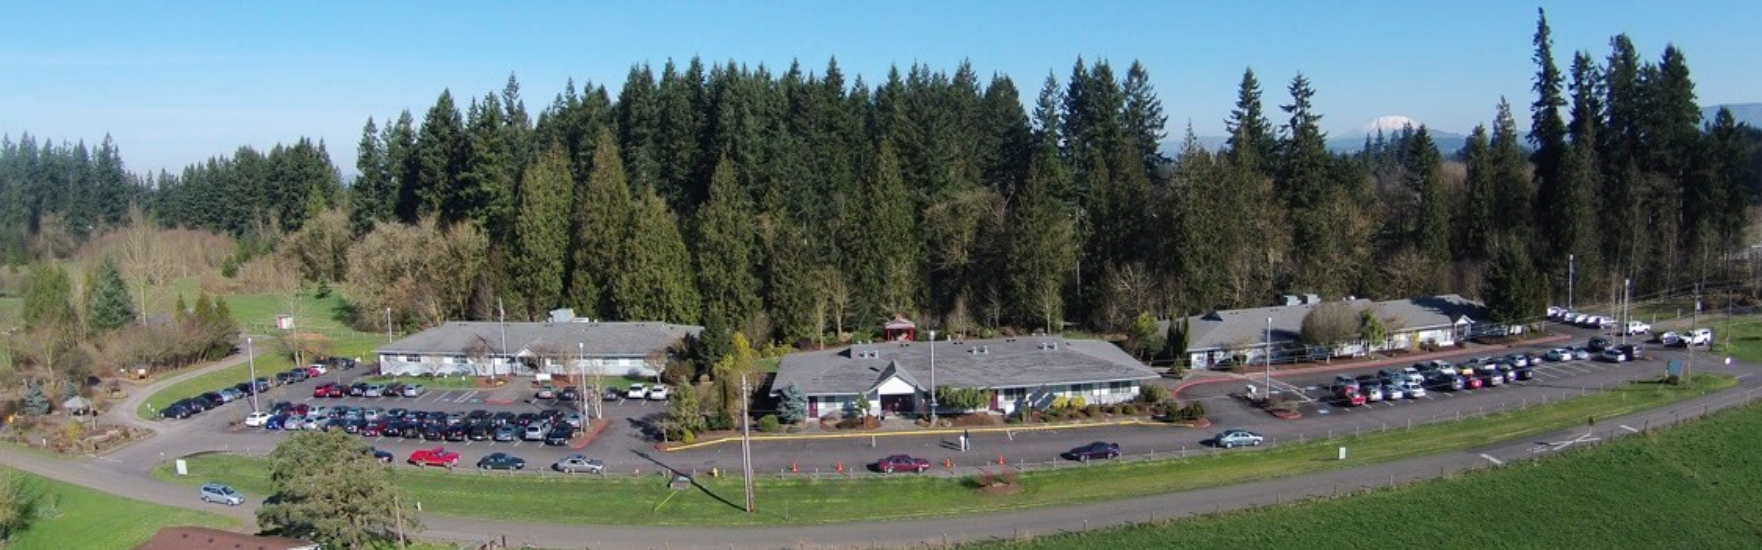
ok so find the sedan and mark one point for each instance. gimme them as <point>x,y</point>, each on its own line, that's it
<point>559,436</point>
<point>504,433</point>
<point>501,461</point>
<point>1098,449</point>
<point>637,391</point>
<point>1558,354</point>
<point>657,393</point>
<point>256,419</point>
<point>1234,437</point>
<point>578,463</point>
<point>1612,355</point>
<point>901,463</point>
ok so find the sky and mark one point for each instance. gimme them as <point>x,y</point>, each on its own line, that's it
<point>175,83</point>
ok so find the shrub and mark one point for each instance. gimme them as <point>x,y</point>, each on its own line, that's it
<point>1092,411</point>
<point>769,424</point>
<point>1060,403</point>
<point>1078,402</point>
<point>1153,394</point>
<point>1129,410</point>
<point>719,421</point>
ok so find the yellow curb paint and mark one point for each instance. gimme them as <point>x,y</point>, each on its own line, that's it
<point>938,431</point>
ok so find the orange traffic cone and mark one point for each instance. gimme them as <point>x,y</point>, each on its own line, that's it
<point>840,467</point>
<point>948,463</point>
<point>999,460</point>
<point>793,469</point>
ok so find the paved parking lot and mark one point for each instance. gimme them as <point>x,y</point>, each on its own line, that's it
<point>624,448</point>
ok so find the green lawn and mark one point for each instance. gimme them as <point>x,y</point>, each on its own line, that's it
<point>431,382</point>
<point>1696,486</point>
<point>69,516</point>
<point>256,315</point>
<point>1741,337</point>
<point>623,500</point>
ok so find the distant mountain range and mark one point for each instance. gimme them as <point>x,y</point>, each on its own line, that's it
<point>1450,142</point>
<point>1745,113</point>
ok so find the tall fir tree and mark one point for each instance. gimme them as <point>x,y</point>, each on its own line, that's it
<point>1145,123</point>
<point>372,196</point>
<point>441,150</point>
<point>603,213</point>
<point>1041,250</point>
<point>541,238</point>
<point>1431,231</point>
<point>724,241</point>
<point>109,305</point>
<point>1252,145</point>
<point>651,279</point>
<point>1556,211</point>
<point>885,260</point>
<point>1513,193</point>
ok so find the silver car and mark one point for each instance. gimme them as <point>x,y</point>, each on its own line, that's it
<point>221,494</point>
<point>579,464</point>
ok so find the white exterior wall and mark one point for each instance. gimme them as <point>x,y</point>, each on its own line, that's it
<point>634,366</point>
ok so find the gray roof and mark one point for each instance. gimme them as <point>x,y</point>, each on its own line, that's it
<point>1007,363</point>
<point>1229,329</point>
<point>596,339</point>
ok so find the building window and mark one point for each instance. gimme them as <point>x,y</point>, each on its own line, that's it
<point>1119,387</point>
<point>413,358</point>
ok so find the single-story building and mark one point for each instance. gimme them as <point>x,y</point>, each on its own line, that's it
<point>895,377</point>
<point>1224,338</point>
<point>557,347</point>
<point>203,538</point>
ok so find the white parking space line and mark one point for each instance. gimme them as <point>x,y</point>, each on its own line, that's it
<point>1494,460</point>
<point>1629,428</point>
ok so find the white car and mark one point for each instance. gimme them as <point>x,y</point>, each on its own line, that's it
<point>657,392</point>
<point>317,369</point>
<point>1413,376</point>
<point>1415,390</point>
<point>636,391</point>
<point>257,419</point>
<point>1698,337</point>
<point>1555,311</point>
<point>1636,327</point>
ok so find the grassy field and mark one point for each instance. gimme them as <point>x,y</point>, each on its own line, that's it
<point>75,517</point>
<point>624,500</point>
<point>1741,337</point>
<point>1696,486</point>
<point>256,315</point>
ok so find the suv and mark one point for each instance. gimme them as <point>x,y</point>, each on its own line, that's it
<point>1598,344</point>
<point>636,391</point>
<point>221,494</point>
<point>1612,355</point>
<point>1634,352</point>
<point>1636,327</point>
<point>657,392</point>
<point>1233,437</point>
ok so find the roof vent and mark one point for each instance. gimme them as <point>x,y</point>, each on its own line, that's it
<point>984,349</point>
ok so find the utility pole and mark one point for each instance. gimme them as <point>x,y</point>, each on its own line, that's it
<point>1687,380</point>
<point>581,381</point>
<point>1269,358</point>
<point>388,325</point>
<point>746,443</point>
<point>503,312</point>
<point>251,356</point>
<point>1571,276</point>
<point>1626,285</point>
<point>932,378</point>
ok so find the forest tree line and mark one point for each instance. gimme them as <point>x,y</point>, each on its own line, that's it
<point>796,204</point>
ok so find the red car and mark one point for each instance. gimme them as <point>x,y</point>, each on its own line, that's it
<point>323,390</point>
<point>901,463</point>
<point>438,456</point>
<point>330,390</point>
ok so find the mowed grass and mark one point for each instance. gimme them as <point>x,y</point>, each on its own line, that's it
<point>626,499</point>
<point>1739,337</point>
<point>1695,486</point>
<point>69,516</point>
<point>256,313</point>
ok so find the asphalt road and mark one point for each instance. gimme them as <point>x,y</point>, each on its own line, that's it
<point>126,471</point>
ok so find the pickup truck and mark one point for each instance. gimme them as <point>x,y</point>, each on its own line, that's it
<point>438,456</point>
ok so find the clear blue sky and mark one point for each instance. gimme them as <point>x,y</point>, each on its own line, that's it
<point>178,82</point>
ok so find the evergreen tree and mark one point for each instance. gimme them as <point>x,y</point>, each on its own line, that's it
<point>404,165</point>
<point>485,189</point>
<point>372,196</point>
<point>328,487</point>
<point>1477,223</point>
<point>1041,251</point>
<point>651,277</point>
<point>1252,144</point>
<point>441,152</point>
<point>1513,193</point>
<point>1513,291</point>
<point>724,242</point>
<point>1307,184</point>
<point>1144,119</point>
<point>109,305</point>
<point>603,211</point>
<point>542,240</point>
<point>885,262</point>
<point>1431,233</point>
<point>1556,213</point>
<point>47,299</point>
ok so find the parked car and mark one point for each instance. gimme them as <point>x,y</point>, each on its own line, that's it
<point>657,392</point>
<point>535,432</point>
<point>578,464</point>
<point>1098,449</point>
<point>381,455</point>
<point>478,431</point>
<point>901,463</point>
<point>358,389</point>
<point>1698,337</point>
<point>568,394</point>
<point>177,411</point>
<point>612,394</point>
<point>1634,352</point>
<point>503,433</point>
<point>1598,344</point>
<point>1670,339</point>
<point>283,379</point>
<point>1237,437</point>
<point>221,494</point>
<point>393,389</point>
<point>1558,354</point>
<point>1636,327</point>
<point>546,391</point>
<point>559,435</point>
<point>414,390</point>
<point>636,391</point>
<point>373,390</point>
<point>501,461</point>
<point>1394,391</point>
<point>1490,375</point>
<point>256,419</point>
<point>458,432</point>
<point>1414,390</point>
<point>1525,372</point>
<point>1579,353</point>
<point>438,456</point>
<point>1372,391</point>
<point>299,375</point>
<point>316,370</point>
<point>1445,380</point>
<point>1518,359</point>
<point>1612,355</point>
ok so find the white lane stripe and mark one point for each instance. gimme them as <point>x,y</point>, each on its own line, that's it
<point>1495,460</point>
<point>1629,428</point>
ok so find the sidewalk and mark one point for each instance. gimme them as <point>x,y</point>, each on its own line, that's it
<point>1195,378</point>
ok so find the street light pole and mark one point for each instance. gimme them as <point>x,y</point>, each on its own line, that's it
<point>1269,358</point>
<point>388,325</point>
<point>932,378</point>
<point>251,356</point>
<point>581,380</point>
<point>1626,284</point>
<point>1571,275</point>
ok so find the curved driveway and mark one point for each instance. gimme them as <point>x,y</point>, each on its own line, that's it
<point>127,471</point>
